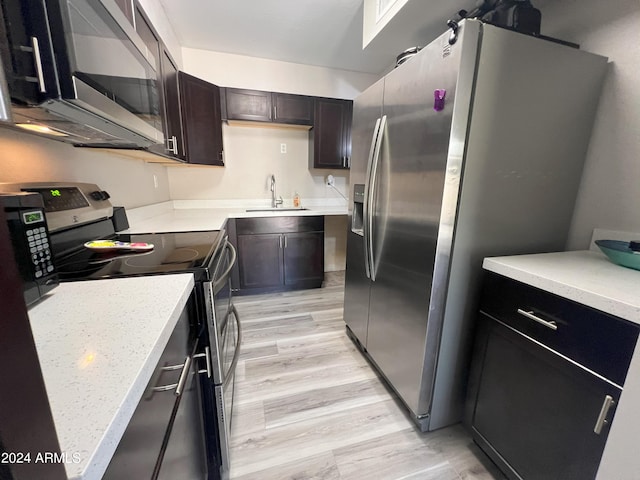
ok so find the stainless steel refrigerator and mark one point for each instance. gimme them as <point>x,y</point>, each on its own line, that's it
<point>472,148</point>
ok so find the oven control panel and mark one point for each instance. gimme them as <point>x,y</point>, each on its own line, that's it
<point>67,204</point>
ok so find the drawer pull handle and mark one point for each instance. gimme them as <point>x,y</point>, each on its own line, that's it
<point>602,418</point>
<point>181,381</point>
<point>171,368</point>
<point>547,323</point>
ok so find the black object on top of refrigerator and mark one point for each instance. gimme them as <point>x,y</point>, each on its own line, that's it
<point>465,151</point>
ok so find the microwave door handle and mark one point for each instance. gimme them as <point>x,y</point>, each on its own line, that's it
<point>223,278</point>
<point>372,196</point>
<point>365,203</point>
<point>236,353</point>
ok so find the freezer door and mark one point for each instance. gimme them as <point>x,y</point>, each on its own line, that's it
<point>408,198</point>
<point>367,111</point>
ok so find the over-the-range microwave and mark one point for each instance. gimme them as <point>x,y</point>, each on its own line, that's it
<point>79,68</point>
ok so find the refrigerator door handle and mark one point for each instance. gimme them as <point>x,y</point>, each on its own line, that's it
<point>371,197</point>
<point>365,222</point>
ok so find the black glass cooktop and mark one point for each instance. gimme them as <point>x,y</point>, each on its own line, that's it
<point>172,253</point>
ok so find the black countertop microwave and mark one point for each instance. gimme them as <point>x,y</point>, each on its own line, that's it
<point>80,68</point>
<point>30,242</point>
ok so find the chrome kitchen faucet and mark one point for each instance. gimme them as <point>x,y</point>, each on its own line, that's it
<point>274,202</point>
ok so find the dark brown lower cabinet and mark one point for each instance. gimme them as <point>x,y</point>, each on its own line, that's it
<point>545,380</point>
<point>279,253</point>
<point>303,257</point>
<point>260,261</point>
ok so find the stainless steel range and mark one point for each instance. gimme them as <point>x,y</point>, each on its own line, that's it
<point>78,213</point>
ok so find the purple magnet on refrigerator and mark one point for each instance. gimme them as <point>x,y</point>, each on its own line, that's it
<point>438,99</point>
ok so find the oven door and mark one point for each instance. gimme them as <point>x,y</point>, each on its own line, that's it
<point>224,338</point>
<point>222,325</point>
<point>224,393</point>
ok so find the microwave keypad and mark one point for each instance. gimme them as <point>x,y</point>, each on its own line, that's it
<point>40,251</point>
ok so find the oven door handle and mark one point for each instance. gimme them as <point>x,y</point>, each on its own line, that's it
<point>236,353</point>
<point>218,282</point>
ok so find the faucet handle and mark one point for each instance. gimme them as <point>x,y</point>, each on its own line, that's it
<point>279,201</point>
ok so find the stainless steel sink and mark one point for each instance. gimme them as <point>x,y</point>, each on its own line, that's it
<point>275,209</point>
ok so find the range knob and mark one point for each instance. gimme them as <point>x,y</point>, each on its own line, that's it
<point>100,195</point>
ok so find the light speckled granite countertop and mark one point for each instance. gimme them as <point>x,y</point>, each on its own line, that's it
<point>98,343</point>
<point>588,277</point>
<point>194,215</point>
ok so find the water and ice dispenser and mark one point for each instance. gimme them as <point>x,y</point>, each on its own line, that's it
<point>358,209</point>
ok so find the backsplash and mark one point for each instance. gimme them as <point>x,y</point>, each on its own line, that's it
<point>252,155</point>
<point>131,183</point>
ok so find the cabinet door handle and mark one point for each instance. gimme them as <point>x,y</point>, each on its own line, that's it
<point>279,241</point>
<point>602,418</point>
<point>275,112</point>
<point>170,368</point>
<point>38,64</point>
<point>221,157</point>
<point>181,381</point>
<point>547,323</point>
<point>285,241</point>
<point>183,376</point>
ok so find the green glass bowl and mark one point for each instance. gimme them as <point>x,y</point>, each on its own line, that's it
<point>619,253</point>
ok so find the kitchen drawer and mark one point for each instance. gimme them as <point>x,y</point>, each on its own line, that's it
<point>596,340</point>
<point>259,225</point>
<point>142,442</point>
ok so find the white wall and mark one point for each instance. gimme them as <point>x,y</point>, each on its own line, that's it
<point>229,70</point>
<point>252,154</point>
<point>28,158</point>
<point>609,195</point>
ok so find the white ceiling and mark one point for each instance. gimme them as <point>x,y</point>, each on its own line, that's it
<point>326,33</point>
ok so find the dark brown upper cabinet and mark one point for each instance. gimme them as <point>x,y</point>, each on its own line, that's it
<point>269,107</point>
<point>330,138</point>
<point>201,120</point>
<point>190,106</point>
<point>292,109</point>
<point>148,34</point>
<point>158,51</point>
<point>248,105</point>
<point>172,115</point>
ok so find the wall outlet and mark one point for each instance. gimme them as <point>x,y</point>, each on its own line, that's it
<point>283,148</point>
<point>331,181</point>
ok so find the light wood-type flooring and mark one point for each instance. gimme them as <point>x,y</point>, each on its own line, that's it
<point>309,406</point>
